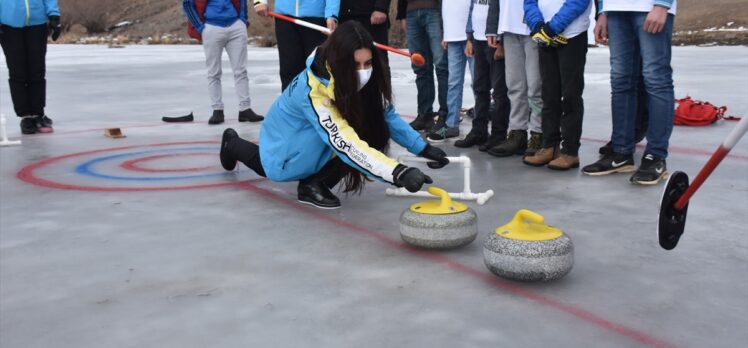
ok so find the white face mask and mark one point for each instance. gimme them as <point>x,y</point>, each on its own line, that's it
<point>363,77</point>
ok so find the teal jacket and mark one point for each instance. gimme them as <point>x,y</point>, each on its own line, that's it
<point>25,13</point>
<point>306,8</point>
<point>302,131</point>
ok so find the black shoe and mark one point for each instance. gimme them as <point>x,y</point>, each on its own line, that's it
<point>651,171</point>
<point>472,139</point>
<point>29,125</point>
<point>227,161</point>
<point>609,164</point>
<point>515,144</point>
<point>318,195</point>
<point>44,124</point>
<point>185,118</point>
<point>217,117</point>
<point>249,116</point>
<point>442,134</point>
<point>606,149</point>
<point>493,140</point>
<point>422,121</point>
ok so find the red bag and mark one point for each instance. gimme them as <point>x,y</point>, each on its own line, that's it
<point>698,113</point>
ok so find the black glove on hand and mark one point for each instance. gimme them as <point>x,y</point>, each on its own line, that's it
<point>543,35</point>
<point>55,27</point>
<point>436,154</point>
<point>410,178</point>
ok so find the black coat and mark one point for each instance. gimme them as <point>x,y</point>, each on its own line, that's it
<point>363,7</point>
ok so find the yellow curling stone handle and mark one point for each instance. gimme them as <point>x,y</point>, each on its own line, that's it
<point>439,207</point>
<point>528,225</point>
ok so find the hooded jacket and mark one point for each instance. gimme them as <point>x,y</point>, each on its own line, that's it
<point>302,131</point>
<point>26,13</point>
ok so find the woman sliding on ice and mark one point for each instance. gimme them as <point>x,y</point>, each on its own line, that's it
<point>333,122</point>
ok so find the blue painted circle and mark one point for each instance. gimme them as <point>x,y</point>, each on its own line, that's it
<point>85,168</point>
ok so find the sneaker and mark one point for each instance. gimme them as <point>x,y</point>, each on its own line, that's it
<point>651,171</point>
<point>609,164</point>
<point>515,144</point>
<point>472,139</point>
<point>535,143</point>
<point>29,125</point>
<point>422,121</point>
<point>608,148</point>
<point>442,134</point>
<point>44,124</point>
<point>318,195</point>
<point>249,116</point>
<point>493,140</point>
<point>227,161</point>
<point>217,117</point>
<point>564,162</point>
<point>542,157</point>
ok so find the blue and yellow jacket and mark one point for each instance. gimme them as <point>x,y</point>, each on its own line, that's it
<point>25,13</point>
<point>306,8</point>
<point>302,131</point>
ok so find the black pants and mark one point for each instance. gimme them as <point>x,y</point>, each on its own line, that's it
<point>489,75</point>
<point>562,74</point>
<point>25,53</point>
<point>379,32</point>
<point>249,154</point>
<point>295,43</point>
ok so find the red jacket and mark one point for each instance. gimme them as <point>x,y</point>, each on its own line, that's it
<point>195,12</point>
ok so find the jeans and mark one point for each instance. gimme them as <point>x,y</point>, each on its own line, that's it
<point>456,59</point>
<point>489,75</point>
<point>233,39</point>
<point>424,36</point>
<point>632,49</point>
<point>562,70</point>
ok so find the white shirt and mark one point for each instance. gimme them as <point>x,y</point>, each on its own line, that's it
<point>478,19</point>
<point>512,17</point>
<point>549,8</point>
<point>455,17</point>
<point>633,5</point>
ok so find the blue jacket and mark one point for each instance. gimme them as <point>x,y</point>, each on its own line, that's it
<point>306,8</point>
<point>25,13</point>
<point>570,10</point>
<point>302,131</point>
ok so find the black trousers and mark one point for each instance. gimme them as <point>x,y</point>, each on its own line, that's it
<point>249,154</point>
<point>25,52</point>
<point>295,43</point>
<point>379,32</point>
<point>562,74</point>
<point>489,74</point>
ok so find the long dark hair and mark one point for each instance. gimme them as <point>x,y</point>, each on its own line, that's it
<point>363,110</point>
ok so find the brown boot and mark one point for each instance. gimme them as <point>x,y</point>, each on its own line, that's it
<point>564,162</point>
<point>542,156</point>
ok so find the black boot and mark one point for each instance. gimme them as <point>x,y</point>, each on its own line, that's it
<point>227,161</point>
<point>249,116</point>
<point>317,194</point>
<point>217,117</point>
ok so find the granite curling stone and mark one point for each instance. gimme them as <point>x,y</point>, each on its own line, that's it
<point>438,224</point>
<point>525,249</point>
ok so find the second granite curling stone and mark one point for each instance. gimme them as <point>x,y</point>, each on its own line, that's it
<point>438,224</point>
<point>526,249</point>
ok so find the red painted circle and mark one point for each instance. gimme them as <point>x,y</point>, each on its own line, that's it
<point>27,173</point>
<point>133,164</point>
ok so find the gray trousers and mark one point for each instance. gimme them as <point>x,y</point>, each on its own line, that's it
<point>234,40</point>
<point>523,81</point>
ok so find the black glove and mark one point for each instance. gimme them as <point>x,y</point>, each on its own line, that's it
<point>55,27</point>
<point>411,178</point>
<point>436,154</point>
<point>543,35</point>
